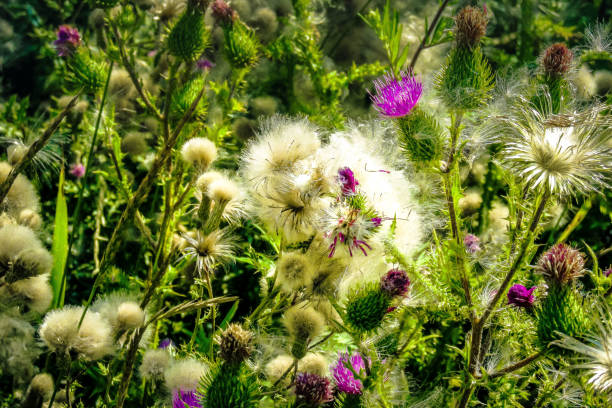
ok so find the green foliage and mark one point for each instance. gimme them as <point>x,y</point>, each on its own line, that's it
<point>59,249</point>
<point>86,72</point>
<point>241,46</point>
<point>184,97</point>
<point>227,386</point>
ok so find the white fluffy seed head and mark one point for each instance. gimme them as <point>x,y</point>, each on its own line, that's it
<point>314,363</point>
<point>22,194</point>
<point>35,291</point>
<point>154,363</point>
<point>185,374</point>
<point>61,334</point>
<point>29,218</point>
<point>277,367</point>
<point>206,179</point>
<point>15,153</point>
<point>294,271</point>
<point>42,384</point>
<point>130,315</point>
<point>20,247</point>
<point>303,323</point>
<point>223,190</point>
<point>199,152</point>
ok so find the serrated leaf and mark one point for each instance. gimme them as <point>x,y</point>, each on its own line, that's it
<point>59,248</point>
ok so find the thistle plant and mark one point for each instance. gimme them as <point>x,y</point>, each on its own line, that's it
<point>258,204</point>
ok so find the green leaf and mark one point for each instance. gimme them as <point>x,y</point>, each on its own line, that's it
<point>229,316</point>
<point>59,249</point>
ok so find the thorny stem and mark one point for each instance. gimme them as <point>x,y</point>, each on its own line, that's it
<point>479,324</point>
<point>138,198</point>
<point>35,148</point>
<point>518,365</point>
<point>430,31</point>
<point>132,73</point>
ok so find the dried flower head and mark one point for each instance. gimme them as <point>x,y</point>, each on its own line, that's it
<point>557,60</point>
<point>209,250</point>
<point>520,296</point>
<point>68,40</point>
<point>42,384</point>
<point>395,282</point>
<point>344,377</point>
<point>35,293</point>
<point>563,154</point>
<point>471,25</point>
<point>61,333</point>
<point>276,367</point>
<point>22,255</point>
<point>313,363</point>
<point>199,152</point>
<point>130,315</point>
<point>22,194</point>
<point>312,389</point>
<point>396,97</point>
<point>222,190</point>
<point>235,344</point>
<point>303,324</point>
<point>561,264</point>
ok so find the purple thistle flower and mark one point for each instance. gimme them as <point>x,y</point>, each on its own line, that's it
<point>166,343</point>
<point>344,377</point>
<point>395,282</point>
<point>520,296</point>
<point>346,177</point>
<point>608,271</point>
<point>313,389</point>
<point>472,243</point>
<point>204,64</point>
<point>223,12</point>
<point>77,170</point>
<point>185,399</point>
<point>376,221</point>
<point>396,98</point>
<point>68,39</point>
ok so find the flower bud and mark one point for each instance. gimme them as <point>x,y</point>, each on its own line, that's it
<point>470,26</point>
<point>235,344</point>
<point>420,136</point>
<point>557,60</point>
<point>188,37</point>
<point>366,307</point>
<point>241,46</point>
<point>561,311</point>
<point>561,265</point>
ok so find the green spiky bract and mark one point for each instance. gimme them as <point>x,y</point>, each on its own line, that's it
<point>553,91</point>
<point>85,73</point>
<point>185,96</point>
<point>420,136</point>
<point>349,401</point>
<point>561,311</point>
<point>241,46</point>
<point>189,36</point>
<point>366,307</point>
<point>465,81</point>
<point>228,386</point>
<point>104,4</point>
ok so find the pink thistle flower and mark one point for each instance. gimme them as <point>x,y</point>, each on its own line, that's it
<point>396,98</point>
<point>68,39</point>
<point>313,389</point>
<point>395,282</point>
<point>472,243</point>
<point>204,64</point>
<point>519,295</point>
<point>77,170</point>
<point>344,377</point>
<point>346,177</point>
<point>186,399</point>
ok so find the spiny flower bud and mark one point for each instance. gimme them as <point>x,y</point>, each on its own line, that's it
<point>235,344</point>
<point>366,307</point>
<point>557,60</point>
<point>561,264</point>
<point>470,25</point>
<point>189,36</point>
<point>312,389</point>
<point>228,387</point>
<point>241,46</point>
<point>420,136</point>
<point>395,283</point>
<point>562,311</point>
